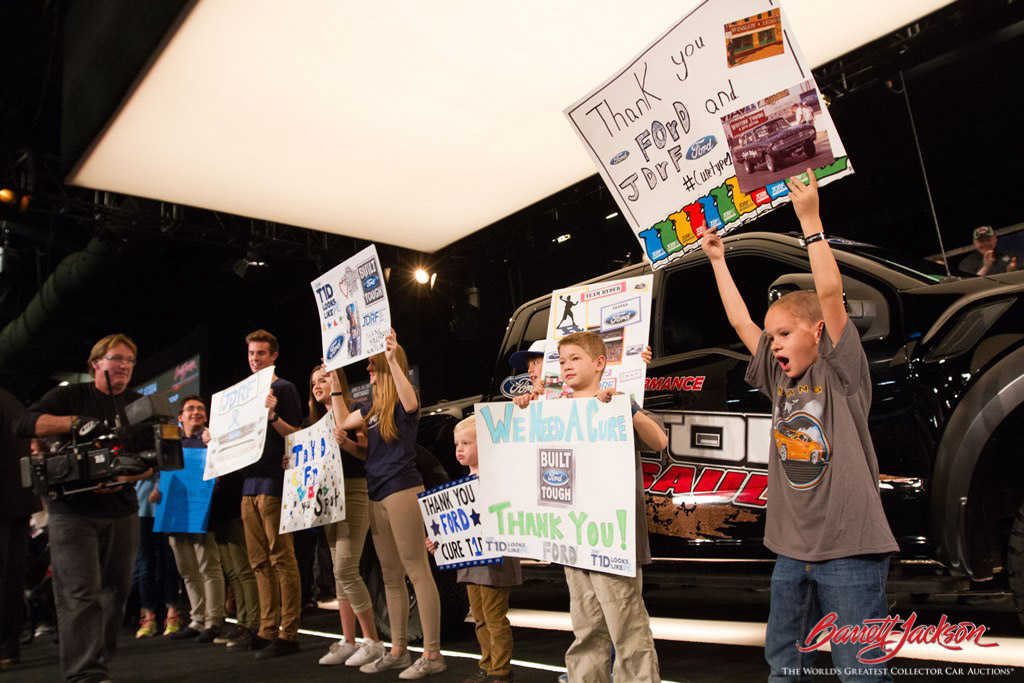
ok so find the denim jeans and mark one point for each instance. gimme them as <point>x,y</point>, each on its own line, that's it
<point>155,571</point>
<point>803,593</point>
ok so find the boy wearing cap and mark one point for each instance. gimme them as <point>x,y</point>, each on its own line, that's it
<point>986,260</point>
<point>531,360</point>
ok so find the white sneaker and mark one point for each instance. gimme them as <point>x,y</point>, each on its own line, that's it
<point>386,663</point>
<point>369,651</point>
<point>423,667</point>
<point>339,653</point>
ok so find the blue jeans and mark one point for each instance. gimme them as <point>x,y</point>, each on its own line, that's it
<point>155,570</point>
<point>803,593</point>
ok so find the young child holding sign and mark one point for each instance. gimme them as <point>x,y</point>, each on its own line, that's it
<point>825,518</point>
<point>606,609</point>
<point>488,585</point>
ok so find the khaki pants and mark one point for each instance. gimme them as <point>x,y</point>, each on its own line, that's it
<point>234,560</point>
<point>273,561</point>
<point>608,610</point>
<point>489,607</point>
<point>347,539</point>
<point>398,536</point>
<point>198,560</point>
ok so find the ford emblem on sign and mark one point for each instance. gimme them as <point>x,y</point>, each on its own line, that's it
<point>620,157</point>
<point>370,282</point>
<point>620,317</point>
<point>516,385</point>
<point>556,477</point>
<point>701,147</point>
<point>335,346</point>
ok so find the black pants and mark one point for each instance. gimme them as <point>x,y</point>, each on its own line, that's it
<point>92,560</point>
<point>13,552</point>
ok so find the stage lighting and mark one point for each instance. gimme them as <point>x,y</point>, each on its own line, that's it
<point>8,196</point>
<point>421,276</point>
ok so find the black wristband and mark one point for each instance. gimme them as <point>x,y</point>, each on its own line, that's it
<point>337,393</point>
<point>274,419</point>
<point>811,239</point>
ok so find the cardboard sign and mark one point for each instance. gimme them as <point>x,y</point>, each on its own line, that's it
<point>452,516</point>
<point>314,483</point>
<point>352,303</point>
<point>558,482</point>
<point>702,127</point>
<point>185,497</point>
<point>238,424</point>
<point>619,311</point>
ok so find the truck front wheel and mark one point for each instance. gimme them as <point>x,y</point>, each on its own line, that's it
<point>1015,561</point>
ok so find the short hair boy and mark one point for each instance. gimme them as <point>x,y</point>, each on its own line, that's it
<point>531,360</point>
<point>824,518</point>
<point>608,609</point>
<point>488,585</point>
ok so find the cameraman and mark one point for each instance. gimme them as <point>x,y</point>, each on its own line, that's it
<point>93,535</point>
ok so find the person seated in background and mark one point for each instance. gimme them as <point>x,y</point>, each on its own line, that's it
<point>986,259</point>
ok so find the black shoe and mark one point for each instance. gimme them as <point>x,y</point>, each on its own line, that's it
<point>207,635</point>
<point>257,643</point>
<point>279,647</point>
<point>184,634</point>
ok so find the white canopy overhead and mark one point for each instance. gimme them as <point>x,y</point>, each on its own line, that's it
<point>408,123</point>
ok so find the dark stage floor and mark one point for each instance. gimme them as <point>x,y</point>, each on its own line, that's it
<point>160,659</point>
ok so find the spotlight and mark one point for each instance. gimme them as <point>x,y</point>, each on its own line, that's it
<point>562,238</point>
<point>8,196</point>
<point>433,278</point>
<point>611,216</point>
<point>421,276</point>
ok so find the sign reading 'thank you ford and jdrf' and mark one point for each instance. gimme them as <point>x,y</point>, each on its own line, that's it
<point>559,482</point>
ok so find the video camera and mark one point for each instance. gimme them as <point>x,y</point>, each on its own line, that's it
<point>146,435</point>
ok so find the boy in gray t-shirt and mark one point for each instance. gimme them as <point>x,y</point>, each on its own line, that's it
<point>825,519</point>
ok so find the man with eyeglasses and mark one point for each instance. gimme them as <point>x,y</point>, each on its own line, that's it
<point>93,535</point>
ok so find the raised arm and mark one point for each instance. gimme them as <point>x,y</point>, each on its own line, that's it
<point>827,282</point>
<point>404,388</point>
<point>748,331</point>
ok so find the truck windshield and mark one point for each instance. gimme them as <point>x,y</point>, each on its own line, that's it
<point>918,268</point>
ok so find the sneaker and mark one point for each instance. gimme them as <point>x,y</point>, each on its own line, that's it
<point>172,624</point>
<point>279,647</point>
<point>423,667</point>
<point>44,630</point>
<point>369,651</point>
<point>184,633</point>
<point>564,678</point>
<point>257,643</point>
<point>339,653</point>
<point>207,635</point>
<point>229,634</point>
<point>386,663</point>
<point>147,628</point>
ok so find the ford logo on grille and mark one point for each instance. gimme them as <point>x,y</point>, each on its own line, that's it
<point>555,477</point>
<point>370,282</point>
<point>516,385</point>
<point>701,147</point>
<point>620,317</point>
<point>335,346</point>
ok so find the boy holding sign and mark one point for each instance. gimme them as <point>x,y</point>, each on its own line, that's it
<point>488,585</point>
<point>606,609</point>
<point>825,519</point>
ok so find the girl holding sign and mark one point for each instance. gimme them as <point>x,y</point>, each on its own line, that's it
<point>347,538</point>
<point>395,520</point>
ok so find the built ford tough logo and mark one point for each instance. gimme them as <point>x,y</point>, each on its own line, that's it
<point>555,477</point>
<point>335,346</point>
<point>556,468</point>
<point>516,385</point>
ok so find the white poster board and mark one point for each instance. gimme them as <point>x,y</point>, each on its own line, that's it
<point>314,483</point>
<point>619,311</point>
<point>703,125</point>
<point>238,424</point>
<point>352,304</point>
<point>452,516</point>
<point>558,482</point>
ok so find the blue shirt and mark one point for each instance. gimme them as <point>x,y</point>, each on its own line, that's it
<point>266,476</point>
<point>391,467</point>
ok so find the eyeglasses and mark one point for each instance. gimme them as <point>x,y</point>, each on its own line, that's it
<point>120,359</point>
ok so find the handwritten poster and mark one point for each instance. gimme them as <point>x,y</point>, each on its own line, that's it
<point>558,480</point>
<point>620,312</point>
<point>702,126</point>
<point>238,424</point>
<point>314,483</point>
<point>452,516</point>
<point>352,303</point>
<point>185,497</point>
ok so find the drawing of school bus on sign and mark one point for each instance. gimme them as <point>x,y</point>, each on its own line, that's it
<point>794,445</point>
